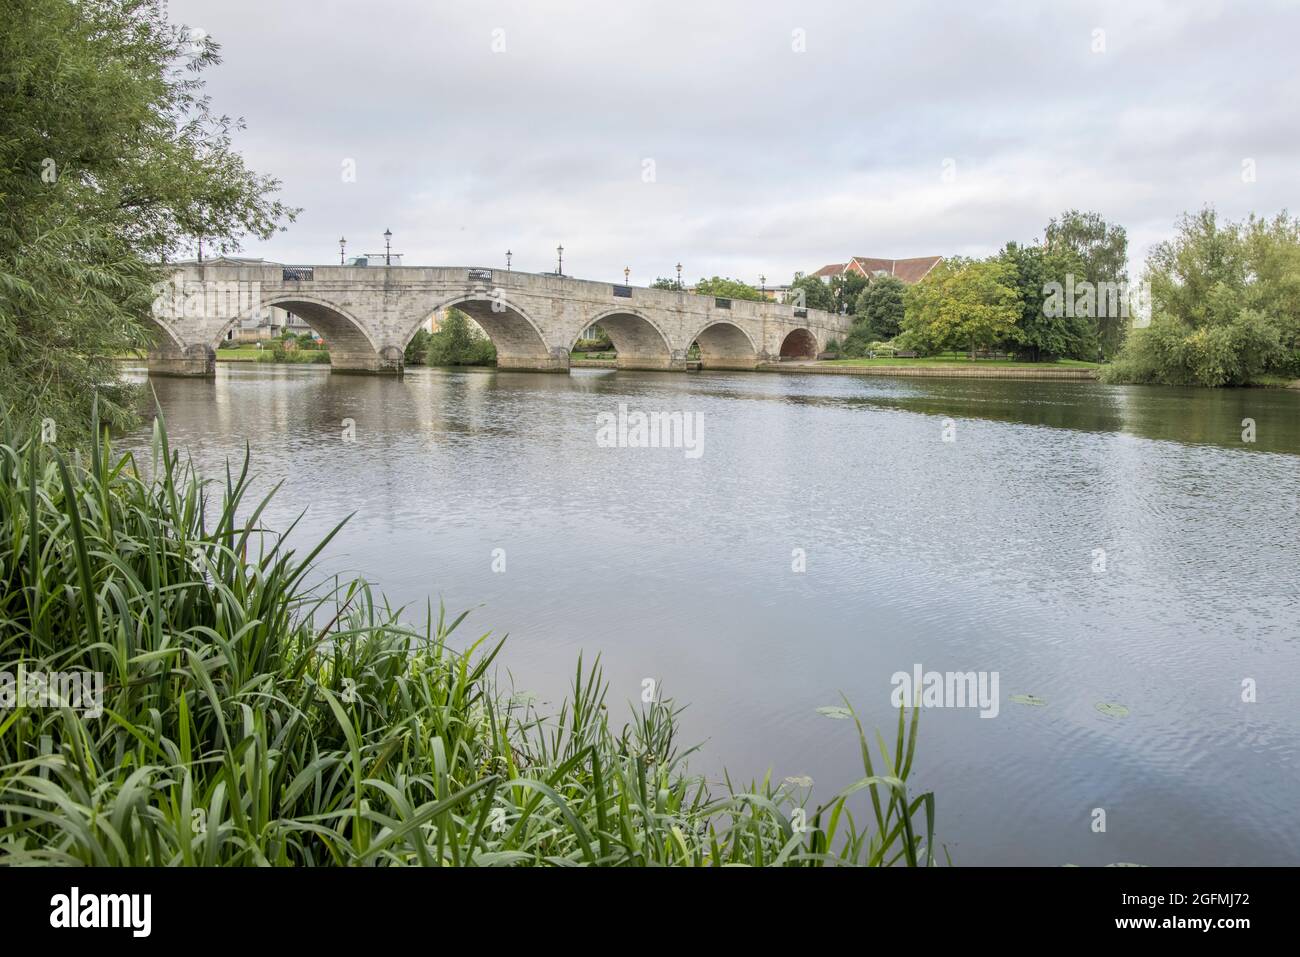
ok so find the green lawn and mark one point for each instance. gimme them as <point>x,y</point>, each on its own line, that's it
<point>250,354</point>
<point>957,359</point>
<point>242,354</point>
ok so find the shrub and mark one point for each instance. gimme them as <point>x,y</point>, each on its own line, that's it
<point>457,343</point>
<point>417,349</point>
<point>294,356</point>
<point>1224,297</point>
<point>1170,351</point>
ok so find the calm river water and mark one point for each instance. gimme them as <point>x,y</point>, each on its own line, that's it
<point>971,555</point>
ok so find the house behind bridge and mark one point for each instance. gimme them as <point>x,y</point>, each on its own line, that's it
<point>909,270</point>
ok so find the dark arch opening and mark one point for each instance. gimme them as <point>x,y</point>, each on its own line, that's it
<point>799,344</point>
<point>518,343</point>
<point>634,340</point>
<point>348,347</point>
<point>723,346</point>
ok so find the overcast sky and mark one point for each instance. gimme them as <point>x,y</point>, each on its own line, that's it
<point>749,138</point>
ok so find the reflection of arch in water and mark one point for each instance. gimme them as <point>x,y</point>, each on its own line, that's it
<point>637,340</point>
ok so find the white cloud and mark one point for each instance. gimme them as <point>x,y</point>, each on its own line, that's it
<point>767,160</point>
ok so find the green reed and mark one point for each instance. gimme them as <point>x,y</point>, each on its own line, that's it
<point>252,716</point>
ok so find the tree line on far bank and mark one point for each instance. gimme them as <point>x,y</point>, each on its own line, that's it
<point>1219,302</point>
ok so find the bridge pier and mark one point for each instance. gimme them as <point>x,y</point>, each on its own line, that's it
<point>557,361</point>
<point>194,362</point>
<point>651,363</point>
<point>730,363</point>
<point>388,361</point>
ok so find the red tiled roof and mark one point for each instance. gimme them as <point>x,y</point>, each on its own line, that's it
<point>834,269</point>
<point>908,270</point>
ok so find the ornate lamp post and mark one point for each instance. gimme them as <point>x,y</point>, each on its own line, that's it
<point>343,245</point>
<point>559,251</point>
<point>679,276</point>
<point>508,255</point>
<point>388,247</point>
<point>627,272</point>
<point>762,284</point>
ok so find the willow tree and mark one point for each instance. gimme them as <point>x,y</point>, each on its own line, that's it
<point>111,162</point>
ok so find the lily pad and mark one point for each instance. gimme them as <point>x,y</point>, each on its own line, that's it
<point>1111,710</point>
<point>1029,699</point>
<point>836,712</point>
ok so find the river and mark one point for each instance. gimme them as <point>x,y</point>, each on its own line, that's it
<point>1088,544</point>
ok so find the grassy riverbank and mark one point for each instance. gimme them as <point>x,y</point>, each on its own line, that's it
<point>942,367</point>
<point>966,361</point>
<point>295,357</point>
<point>240,354</point>
<point>251,716</point>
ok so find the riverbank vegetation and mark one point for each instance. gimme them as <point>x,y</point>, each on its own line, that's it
<point>958,359</point>
<point>253,716</point>
<point>1219,304</point>
<point>111,162</point>
<point>1013,303</point>
<point>1227,306</point>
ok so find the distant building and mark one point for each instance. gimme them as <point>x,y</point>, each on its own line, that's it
<point>908,270</point>
<point>224,260</point>
<point>269,322</point>
<point>376,259</point>
<point>773,293</point>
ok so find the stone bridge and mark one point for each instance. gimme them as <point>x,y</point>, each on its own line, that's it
<point>368,314</point>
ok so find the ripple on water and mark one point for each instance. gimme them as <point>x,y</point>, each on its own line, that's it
<point>979,554</point>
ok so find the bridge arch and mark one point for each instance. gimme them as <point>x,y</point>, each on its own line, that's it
<point>514,333</point>
<point>799,343</point>
<point>165,340</point>
<point>725,345</point>
<point>350,343</point>
<point>170,355</point>
<point>639,341</point>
